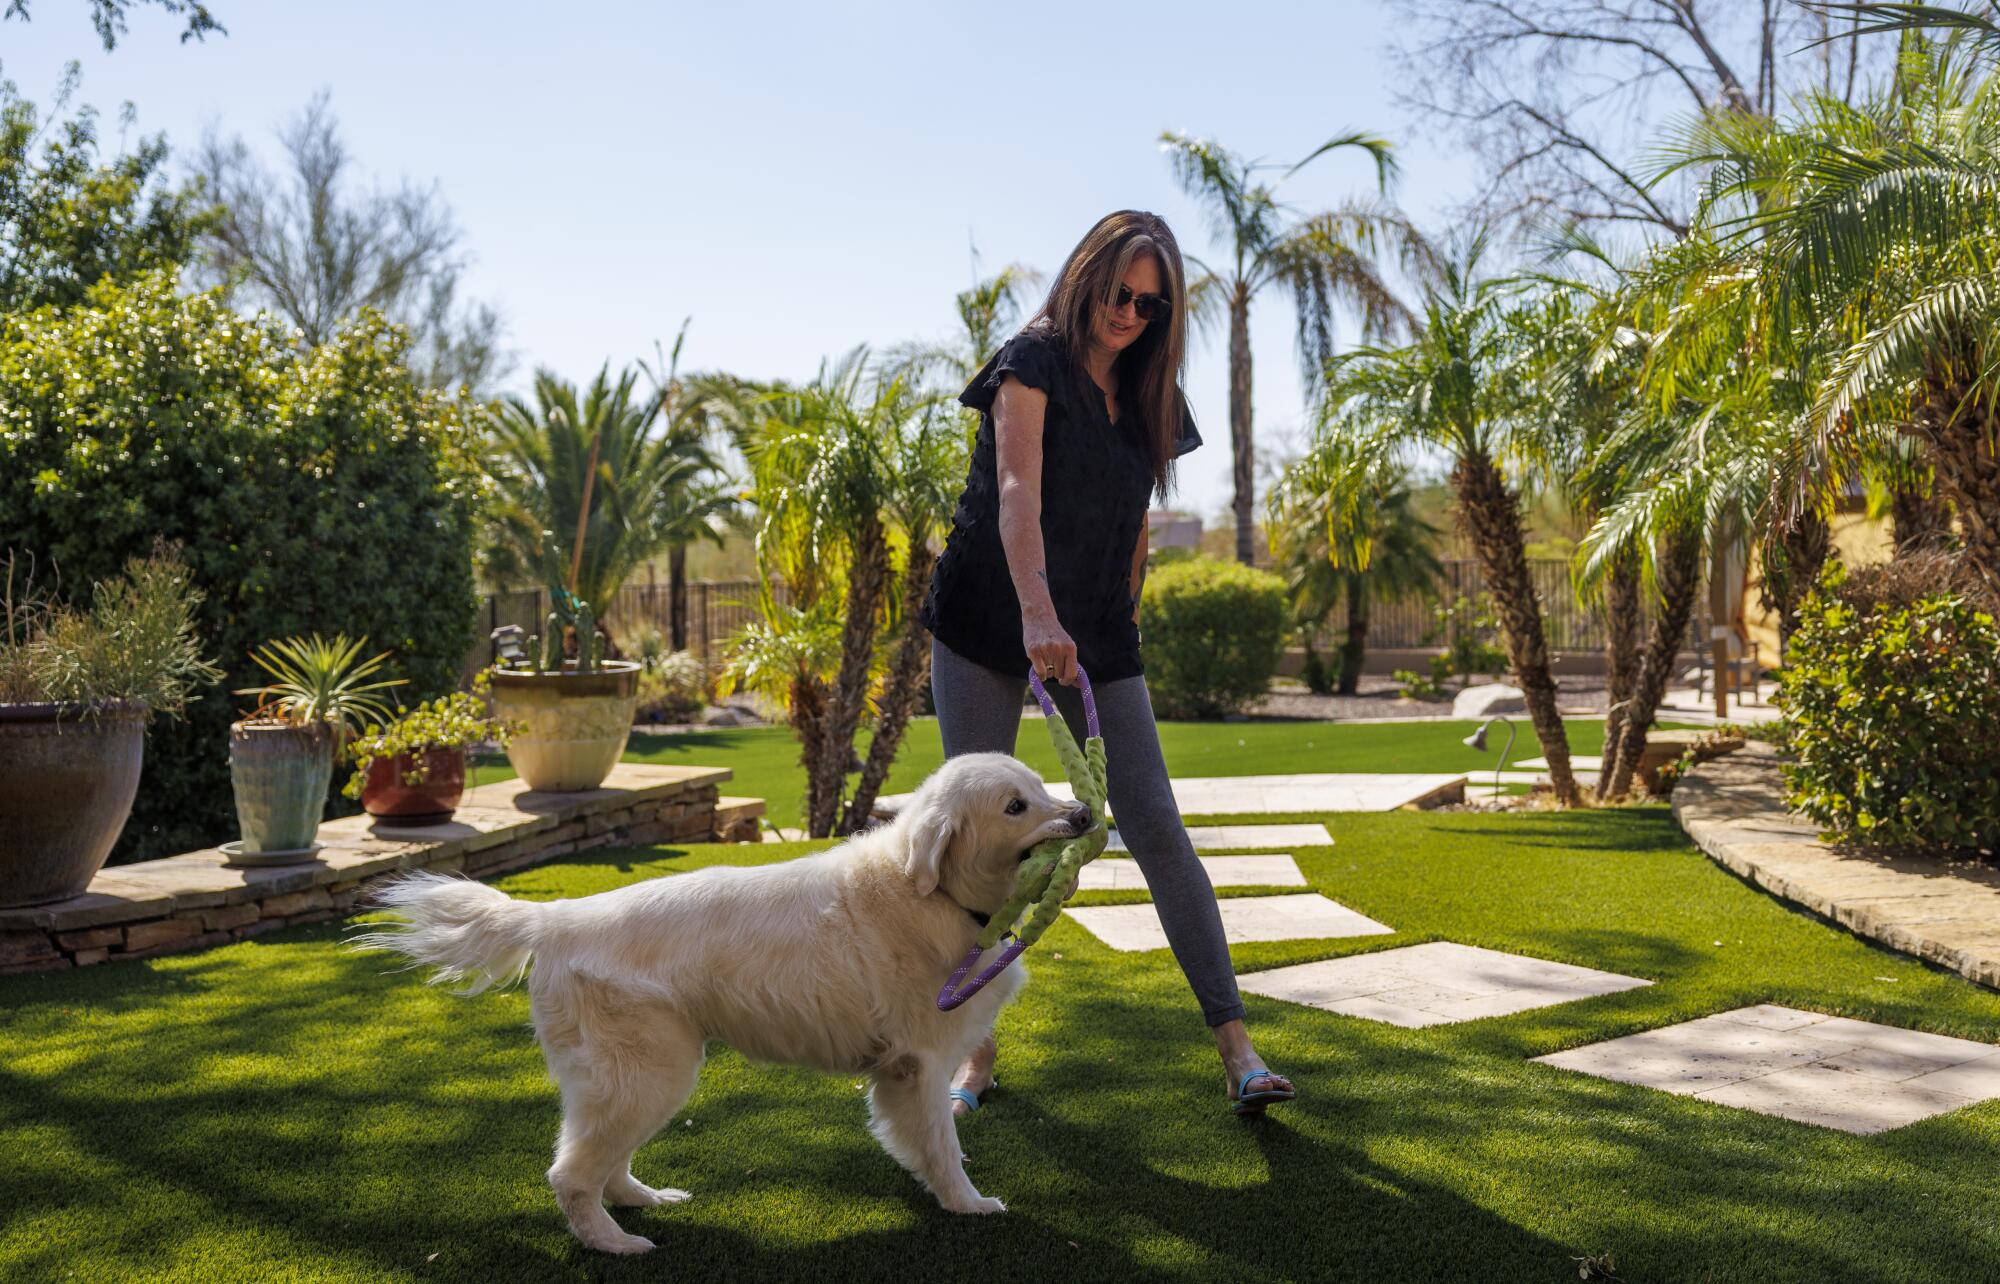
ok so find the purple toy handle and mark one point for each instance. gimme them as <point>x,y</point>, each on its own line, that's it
<point>951,996</point>
<point>1049,706</point>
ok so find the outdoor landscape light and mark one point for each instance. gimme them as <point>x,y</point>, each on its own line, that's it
<point>1477,741</point>
<point>507,642</point>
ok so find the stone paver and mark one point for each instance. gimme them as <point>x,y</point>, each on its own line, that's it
<point>1433,984</point>
<point>1222,837</point>
<point>1292,792</point>
<point>1114,874</point>
<point>1244,919</point>
<point>1856,1076</point>
<point>1577,762</point>
<point>1940,908</point>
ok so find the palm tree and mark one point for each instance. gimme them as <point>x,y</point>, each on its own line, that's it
<point>1872,230</point>
<point>1377,550</point>
<point>1325,260</point>
<point>595,470</point>
<point>695,511</point>
<point>1692,476</point>
<point>1455,388</point>
<point>1581,359</point>
<point>844,470</point>
<point>988,314</point>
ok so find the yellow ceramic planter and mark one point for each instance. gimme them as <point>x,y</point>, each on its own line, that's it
<point>569,727</point>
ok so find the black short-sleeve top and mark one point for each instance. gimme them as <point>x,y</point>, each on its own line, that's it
<point>1097,482</point>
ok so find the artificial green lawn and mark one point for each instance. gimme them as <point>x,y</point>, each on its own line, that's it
<point>766,759</point>
<point>282,1110</point>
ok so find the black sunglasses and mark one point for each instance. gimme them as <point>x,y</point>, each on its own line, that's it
<point>1150,307</point>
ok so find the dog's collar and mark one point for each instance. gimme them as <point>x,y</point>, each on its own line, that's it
<point>977,917</point>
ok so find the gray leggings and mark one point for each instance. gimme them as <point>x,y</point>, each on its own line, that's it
<point>979,711</point>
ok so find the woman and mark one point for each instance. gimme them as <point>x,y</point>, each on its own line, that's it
<point>1081,416</point>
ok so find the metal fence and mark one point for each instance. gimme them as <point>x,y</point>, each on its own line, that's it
<point>716,609</point>
<point>1412,622</point>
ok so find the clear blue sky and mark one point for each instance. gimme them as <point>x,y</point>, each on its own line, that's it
<point>797,178</point>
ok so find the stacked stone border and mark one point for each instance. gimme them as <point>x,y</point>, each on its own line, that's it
<point>1943,909</point>
<point>193,901</point>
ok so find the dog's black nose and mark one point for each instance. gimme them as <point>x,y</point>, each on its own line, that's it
<point>1080,818</point>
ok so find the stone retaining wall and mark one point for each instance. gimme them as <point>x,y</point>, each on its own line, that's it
<point>1944,909</point>
<point>192,901</point>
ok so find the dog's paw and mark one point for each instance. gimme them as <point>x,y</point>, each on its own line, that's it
<point>631,1194</point>
<point>621,1244</point>
<point>980,1204</point>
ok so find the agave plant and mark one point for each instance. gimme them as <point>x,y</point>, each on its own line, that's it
<point>320,681</point>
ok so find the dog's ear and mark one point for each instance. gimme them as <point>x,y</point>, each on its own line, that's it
<point>933,830</point>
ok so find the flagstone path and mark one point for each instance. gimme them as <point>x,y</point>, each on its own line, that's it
<point>1857,1076</point>
<point>1118,874</point>
<point>1241,837</point>
<point>1434,984</point>
<point>1244,918</point>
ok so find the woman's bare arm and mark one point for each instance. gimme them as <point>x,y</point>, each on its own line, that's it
<point>1018,412</point>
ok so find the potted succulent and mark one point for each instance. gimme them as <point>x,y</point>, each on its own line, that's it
<point>281,754</point>
<point>569,718</point>
<point>413,769</point>
<point>76,690</point>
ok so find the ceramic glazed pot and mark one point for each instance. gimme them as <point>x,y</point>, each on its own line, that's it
<point>68,774</point>
<point>386,793</point>
<point>281,774</point>
<point>570,727</point>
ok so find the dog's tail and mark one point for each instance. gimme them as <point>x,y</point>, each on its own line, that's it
<point>465,930</point>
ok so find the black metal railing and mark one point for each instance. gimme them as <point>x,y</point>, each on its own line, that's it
<point>716,609</point>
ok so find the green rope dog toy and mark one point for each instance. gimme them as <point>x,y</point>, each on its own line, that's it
<point>1043,879</point>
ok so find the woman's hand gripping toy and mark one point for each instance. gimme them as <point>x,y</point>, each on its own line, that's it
<point>1044,878</point>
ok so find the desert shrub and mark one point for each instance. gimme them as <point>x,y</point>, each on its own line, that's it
<point>1412,685</point>
<point>309,490</point>
<point>647,643</point>
<point>1213,632</point>
<point>1467,627</point>
<point>1891,692</point>
<point>673,685</point>
<point>1315,674</point>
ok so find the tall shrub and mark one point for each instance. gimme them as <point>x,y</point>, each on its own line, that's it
<point>1891,692</point>
<point>316,489</point>
<point>1213,632</point>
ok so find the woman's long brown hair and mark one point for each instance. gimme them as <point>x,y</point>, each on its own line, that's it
<point>1149,371</point>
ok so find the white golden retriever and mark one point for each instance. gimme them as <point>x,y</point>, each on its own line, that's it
<point>833,960</point>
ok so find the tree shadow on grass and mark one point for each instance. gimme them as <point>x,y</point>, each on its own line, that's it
<point>308,1111</point>
<point>1620,829</point>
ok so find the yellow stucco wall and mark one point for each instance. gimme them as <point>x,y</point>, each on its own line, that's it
<point>1858,540</point>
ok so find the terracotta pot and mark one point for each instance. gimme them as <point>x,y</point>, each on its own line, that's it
<point>386,793</point>
<point>570,728</point>
<point>280,774</point>
<point>68,775</point>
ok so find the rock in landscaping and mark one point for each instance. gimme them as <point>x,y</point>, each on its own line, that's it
<point>1487,699</point>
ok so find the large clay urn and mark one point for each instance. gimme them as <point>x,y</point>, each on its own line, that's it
<point>68,775</point>
<point>569,727</point>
